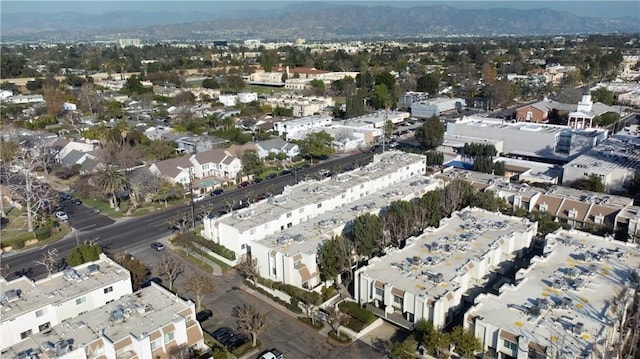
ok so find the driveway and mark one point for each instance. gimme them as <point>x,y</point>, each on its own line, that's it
<point>292,337</point>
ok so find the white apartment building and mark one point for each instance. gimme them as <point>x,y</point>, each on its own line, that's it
<point>310,199</point>
<point>22,99</point>
<point>147,324</point>
<point>570,303</point>
<point>615,161</point>
<point>430,275</point>
<point>29,307</point>
<point>290,256</point>
<point>228,100</point>
<point>299,127</point>
<point>301,105</point>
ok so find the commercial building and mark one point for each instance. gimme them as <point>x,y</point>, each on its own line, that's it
<point>571,302</point>
<point>151,323</point>
<point>436,106</point>
<point>548,143</point>
<point>29,307</point>
<point>290,256</point>
<point>310,199</point>
<point>432,274</point>
<point>615,161</point>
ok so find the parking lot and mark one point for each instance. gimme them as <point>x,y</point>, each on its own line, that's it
<point>292,337</point>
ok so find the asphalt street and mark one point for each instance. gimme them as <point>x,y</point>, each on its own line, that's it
<point>124,233</point>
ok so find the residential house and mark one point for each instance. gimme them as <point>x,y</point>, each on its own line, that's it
<point>216,163</point>
<point>200,143</point>
<point>174,170</point>
<point>277,145</point>
<point>298,128</point>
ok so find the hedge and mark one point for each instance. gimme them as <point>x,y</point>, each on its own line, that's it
<point>295,292</point>
<point>290,306</point>
<point>342,338</point>
<point>218,249</point>
<point>354,310</point>
<point>317,325</point>
<point>43,233</point>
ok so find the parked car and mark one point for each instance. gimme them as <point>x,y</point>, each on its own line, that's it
<point>148,282</point>
<point>222,334</point>
<point>62,215</point>
<point>243,184</point>
<point>76,201</point>
<point>235,341</point>
<point>272,354</point>
<point>217,192</point>
<point>157,246</point>
<point>257,180</point>
<point>204,315</point>
<point>272,176</point>
<point>198,198</point>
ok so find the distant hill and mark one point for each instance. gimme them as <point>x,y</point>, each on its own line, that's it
<point>313,21</point>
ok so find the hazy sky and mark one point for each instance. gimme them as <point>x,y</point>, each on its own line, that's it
<point>579,7</point>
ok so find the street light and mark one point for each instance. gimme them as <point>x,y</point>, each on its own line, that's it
<point>192,203</point>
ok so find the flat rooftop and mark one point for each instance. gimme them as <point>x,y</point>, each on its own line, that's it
<point>308,192</point>
<point>57,288</point>
<point>575,282</point>
<point>465,236</point>
<point>308,236</point>
<point>141,312</point>
<point>618,151</point>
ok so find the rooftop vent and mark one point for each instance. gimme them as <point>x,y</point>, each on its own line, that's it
<point>317,189</point>
<point>71,274</point>
<point>543,303</point>
<point>566,302</point>
<point>298,238</point>
<point>277,199</point>
<point>284,240</point>
<point>243,214</point>
<point>93,268</point>
<point>12,295</point>
<point>62,347</point>
<point>578,328</point>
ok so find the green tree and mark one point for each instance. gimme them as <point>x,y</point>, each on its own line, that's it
<point>318,87</point>
<point>251,163</point>
<point>84,253</point>
<point>434,158</point>
<point>133,86</point>
<point>602,94</point>
<point>234,83</point>
<point>380,96</point>
<point>367,234</point>
<point>334,257</point>
<point>317,144</point>
<point>456,195</point>
<point>606,119</point>
<point>431,134</point>
<point>432,203</point>
<point>355,104</point>
<point>403,350</point>
<point>499,168</point>
<point>110,182</point>
<point>486,200</point>
<point>8,149</point>
<point>210,83</point>
<point>428,83</point>
<point>591,183</point>
<point>465,341</point>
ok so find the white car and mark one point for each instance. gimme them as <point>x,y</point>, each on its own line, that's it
<point>199,197</point>
<point>62,215</point>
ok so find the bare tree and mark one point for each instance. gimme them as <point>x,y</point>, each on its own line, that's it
<point>143,185</point>
<point>26,190</point>
<point>229,204</point>
<point>336,318</point>
<point>251,321</point>
<point>170,268</point>
<point>200,285</point>
<point>49,260</point>
<point>179,352</point>
<point>5,270</point>
<point>311,310</point>
<point>248,267</point>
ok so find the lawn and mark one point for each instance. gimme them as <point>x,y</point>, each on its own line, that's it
<point>262,90</point>
<point>16,230</point>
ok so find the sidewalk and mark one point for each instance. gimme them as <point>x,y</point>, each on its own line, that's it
<point>217,270</point>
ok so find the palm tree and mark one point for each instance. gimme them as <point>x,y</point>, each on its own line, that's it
<point>112,181</point>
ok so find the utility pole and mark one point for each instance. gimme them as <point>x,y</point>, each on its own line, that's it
<point>192,203</point>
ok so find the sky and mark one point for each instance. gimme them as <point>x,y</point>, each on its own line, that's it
<point>578,7</point>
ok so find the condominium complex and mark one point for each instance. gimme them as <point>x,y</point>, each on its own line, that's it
<point>429,277</point>
<point>29,307</point>
<point>290,256</point>
<point>571,302</point>
<point>151,323</point>
<point>310,199</point>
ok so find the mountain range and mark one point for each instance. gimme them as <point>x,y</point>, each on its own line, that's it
<point>309,20</point>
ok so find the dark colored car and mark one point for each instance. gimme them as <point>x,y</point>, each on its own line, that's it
<point>203,315</point>
<point>285,172</point>
<point>65,197</point>
<point>243,184</point>
<point>257,180</point>
<point>217,192</point>
<point>148,282</point>
<point>235,341</point>
<point>222,334</point>
<point>272,176</point>
<point>77,202</point>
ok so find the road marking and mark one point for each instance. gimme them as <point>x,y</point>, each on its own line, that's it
<point>89,226</point>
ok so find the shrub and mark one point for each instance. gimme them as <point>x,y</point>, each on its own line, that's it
<point>43,233</point>
<point>218,249</point>
<point>317,325</point>
<point>342,338</point>
<point>355,311</point>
